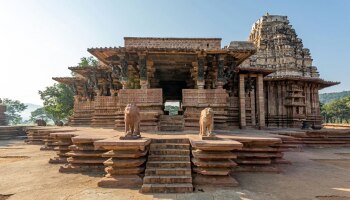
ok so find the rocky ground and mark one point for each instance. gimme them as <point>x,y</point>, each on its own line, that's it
<point>322,174</point>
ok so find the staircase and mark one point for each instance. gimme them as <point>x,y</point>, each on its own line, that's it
<point>171,123</point>
<point>168,169</point>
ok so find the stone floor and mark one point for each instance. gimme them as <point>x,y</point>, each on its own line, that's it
<point>322,174</point>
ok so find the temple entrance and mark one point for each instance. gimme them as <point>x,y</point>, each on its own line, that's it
<point>172,90</point>
<point>173,107</point>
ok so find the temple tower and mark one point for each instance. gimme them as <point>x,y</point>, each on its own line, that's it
<point>291,91</point>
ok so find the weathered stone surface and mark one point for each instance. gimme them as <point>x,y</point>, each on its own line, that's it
<point>121,181</point>
<point>220,181</point>
<point>216,145</point>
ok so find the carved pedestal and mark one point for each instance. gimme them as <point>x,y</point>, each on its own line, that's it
<point>258,155</point>
<point>83,157</point>
<point>124,163</point>
<point>212,161</point>
<point>37,135</point>
<point>61,143</point>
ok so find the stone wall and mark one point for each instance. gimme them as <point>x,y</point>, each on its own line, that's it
<point>3,120</point>
<point>190,43</point>
<point>150,103</point>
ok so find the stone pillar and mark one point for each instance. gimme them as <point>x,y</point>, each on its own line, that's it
<point>143,72</point>
<point>260,100</point>
<point>200,73</point>
<point>252,105</point>
<point>220,75</point>
<point>124,71</point>
<point>242,121</point>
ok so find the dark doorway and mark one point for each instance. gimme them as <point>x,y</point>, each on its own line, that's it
<point>172,90</point>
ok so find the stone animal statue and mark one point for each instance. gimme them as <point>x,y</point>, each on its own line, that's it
<point>40,122</point>
<point>206,122</point>
<point>59,123</point>
<point>132,120</point>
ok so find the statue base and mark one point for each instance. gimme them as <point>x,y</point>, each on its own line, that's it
<point>130,137</point>
<point>212,137</point>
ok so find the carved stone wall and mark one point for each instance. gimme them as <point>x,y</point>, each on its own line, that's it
<point>149,101</point>
<point>82,113</point>
<point>195,100</point>
<point>105,111</point>
<point>190,43</point>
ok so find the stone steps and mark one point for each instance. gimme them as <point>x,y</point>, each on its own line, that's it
<point>167,179</point>
<point>168,158</point>
<point>168,164</point>
<point>168,169</point>
<point>150,171</point>
<point>156,146</point>
<point>169,152</point>
<point>167,188</point>
<point>171,123</point>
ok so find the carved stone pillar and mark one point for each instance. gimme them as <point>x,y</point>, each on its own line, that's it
<point>124,71</point>
<point>242,116</point>
<point>220,75</point>
<point>143,72</point>
<point>200,73</point>
<point>260,100</point>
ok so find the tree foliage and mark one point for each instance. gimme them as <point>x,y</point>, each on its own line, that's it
<point>13,108</point>
<point>337,111</point>
<point>58,101</point>
<point>40,113</point>
<point>329,97</point>
<point>88,61</point>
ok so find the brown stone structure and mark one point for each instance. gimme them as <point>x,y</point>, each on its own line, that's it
<point>266,81</point>
<point>3,120</point>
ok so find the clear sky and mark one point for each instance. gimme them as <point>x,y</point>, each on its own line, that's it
<point>40,39</point>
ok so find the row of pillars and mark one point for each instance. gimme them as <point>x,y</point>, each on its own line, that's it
<point>259,100</point>
<point>143,71</point>
<point>220,72</point>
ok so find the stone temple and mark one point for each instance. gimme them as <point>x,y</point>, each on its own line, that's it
<point>267,81</point>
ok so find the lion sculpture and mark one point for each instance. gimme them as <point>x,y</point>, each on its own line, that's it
<point>132,120</point>
<point>206,122</point>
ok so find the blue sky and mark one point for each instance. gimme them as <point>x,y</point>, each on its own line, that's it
<point>40,39</point>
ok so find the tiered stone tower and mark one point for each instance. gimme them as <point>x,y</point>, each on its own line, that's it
<point>291,91</point>
<point>3,120</point>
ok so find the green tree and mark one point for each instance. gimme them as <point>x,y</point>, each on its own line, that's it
<point>87,62</point>
<point>13,108</point>
<point>58,101</point>
<point>40,113</point>
<point>337,111</point>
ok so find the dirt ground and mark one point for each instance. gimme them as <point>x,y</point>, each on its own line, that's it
<point>322,174</point>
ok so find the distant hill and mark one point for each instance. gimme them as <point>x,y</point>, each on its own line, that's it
<point>27,112</point>
<point>329,97</point>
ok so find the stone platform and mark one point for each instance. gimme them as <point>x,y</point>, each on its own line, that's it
<point>124,161</point>
<point>170,162</point>
<point>12,132</point>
